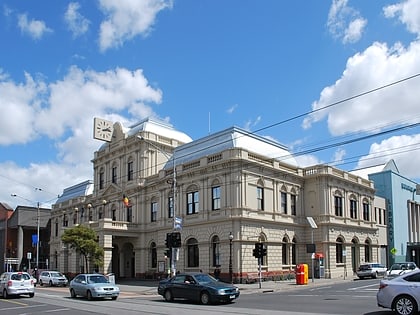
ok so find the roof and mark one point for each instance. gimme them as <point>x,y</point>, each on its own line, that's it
<point>158,127</point>
<point>82,189</point>
<point>230,138</point>
<point>366,171</point>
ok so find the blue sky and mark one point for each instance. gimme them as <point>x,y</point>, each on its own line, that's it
<point>205,66</point>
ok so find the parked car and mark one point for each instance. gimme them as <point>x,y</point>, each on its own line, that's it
<point>401,268</point>
<point>16,283</point>
<point>371,270</point>
<point>52,278</point>
<point>199,287</point>
<point>401,293</point>
<point>93,286</point>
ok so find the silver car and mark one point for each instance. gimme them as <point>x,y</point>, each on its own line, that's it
<point>401,294</point>
<point>16,283</point>
<point>93,286</point>
<point>52,278</point>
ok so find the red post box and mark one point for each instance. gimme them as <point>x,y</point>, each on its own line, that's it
<point>302,274</point>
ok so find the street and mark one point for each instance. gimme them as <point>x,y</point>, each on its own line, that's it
<point>345,298</point>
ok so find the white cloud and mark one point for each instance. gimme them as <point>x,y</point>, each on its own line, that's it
<point>377,66</point>
<point>231,109</point>
<point>408,13</point>
<point>76,22</point>
<point>249,124</point>
<point>34,28</point>
<point>127,19</point>
<point>339,155</point>
<point>344,22</point>
<point>403,149</point>
<point>63,112</point>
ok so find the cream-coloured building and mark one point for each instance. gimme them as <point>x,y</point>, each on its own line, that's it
<point>232,189</point>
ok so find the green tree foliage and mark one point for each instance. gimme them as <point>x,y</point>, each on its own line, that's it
<point>84,240</point>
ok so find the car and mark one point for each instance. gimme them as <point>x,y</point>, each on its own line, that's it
<point>401,268</point>
<point>16,284</point>
<point>401,293</point>
<point>52,278</point>
<point>198,287</point>
<point>371,270</point>
<point>92,286</point>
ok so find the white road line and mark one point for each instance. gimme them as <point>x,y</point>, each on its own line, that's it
<point>365,286</point>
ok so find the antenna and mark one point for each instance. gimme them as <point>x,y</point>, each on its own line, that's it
<point>209,123</point>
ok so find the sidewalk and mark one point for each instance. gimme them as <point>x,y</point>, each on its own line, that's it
<point>149,287</point>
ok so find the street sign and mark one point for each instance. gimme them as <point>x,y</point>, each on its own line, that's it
<point>29,255</point>
<point>393,251</point>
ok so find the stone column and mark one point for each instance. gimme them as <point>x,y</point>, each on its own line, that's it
<point>106,243</point>
<point>20,244</point>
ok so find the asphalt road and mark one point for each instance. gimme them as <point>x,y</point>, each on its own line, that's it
<point>344,298</point>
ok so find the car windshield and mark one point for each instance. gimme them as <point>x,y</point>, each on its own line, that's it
<point>97,279</point>
<point>203,278</point>
<point>20,276</point>
<point>56,274</point>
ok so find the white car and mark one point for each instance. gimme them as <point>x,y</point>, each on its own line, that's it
<point>401,268</point>
<point>371,270</point>
<point>16,283</point>
<point>400,294</point>
<point>52,278</point>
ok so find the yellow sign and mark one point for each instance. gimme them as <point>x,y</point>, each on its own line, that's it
<point>393,251</point>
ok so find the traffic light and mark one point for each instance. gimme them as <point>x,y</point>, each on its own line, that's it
<point>263,251</point>
<point>168,253</point>
<point>176,239</point>
<point>168,241</point>
<point>257,252</point>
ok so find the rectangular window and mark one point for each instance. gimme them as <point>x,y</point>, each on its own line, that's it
<point>101,180</point>
<point>260,198</point>
<point>130,171</point>
<point>114,175</point>
<point>153,211</point>
<point>338,206</point>
<point>283,202</point>
<point>366,212</point>
<point>129,213</point>
<point>192,202</point>
<point>293,204</point>
<point>353,209</point>
<point>170,207</point>
<point>215,198</point>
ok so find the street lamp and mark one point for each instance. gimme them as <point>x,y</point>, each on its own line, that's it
<point>173,261</point>
<point>230,257</point>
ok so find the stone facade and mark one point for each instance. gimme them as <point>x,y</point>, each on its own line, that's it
<point>222,187</point>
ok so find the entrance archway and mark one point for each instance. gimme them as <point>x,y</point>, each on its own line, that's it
<point>128,261</point>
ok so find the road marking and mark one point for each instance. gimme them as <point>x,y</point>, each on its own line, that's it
<point>363,287</point>
<point>15,302</point>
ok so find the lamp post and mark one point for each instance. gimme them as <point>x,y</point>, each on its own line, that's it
<point>174,250</point>
<point>230,257</point>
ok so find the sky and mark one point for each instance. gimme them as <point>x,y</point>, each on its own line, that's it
<point>336,81</point>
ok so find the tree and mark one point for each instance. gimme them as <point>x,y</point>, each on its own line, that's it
<point>84,240</point>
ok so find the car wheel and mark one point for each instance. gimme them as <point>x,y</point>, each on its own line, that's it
<point>168,296</point>
<point>31,295</point>
<point>89,295</point>
<point>51,284</point>
<point>40,282</point>
<point>405,305</point>
<point>72,293</point>
<point>205,298</point>
<point>5,295</point>
<point>375,275</point>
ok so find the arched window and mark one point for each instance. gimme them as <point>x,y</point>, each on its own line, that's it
<point>339,250</point>
<point>193,256</point>
<point>153,255</point>
<point>338,204</point>
<point>285,251</point>
<point>367,251</point>
<point>215,251</point>
<point>294,251</point>
<point>353,207</point>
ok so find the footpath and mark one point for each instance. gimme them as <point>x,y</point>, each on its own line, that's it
<point>149,287</point>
